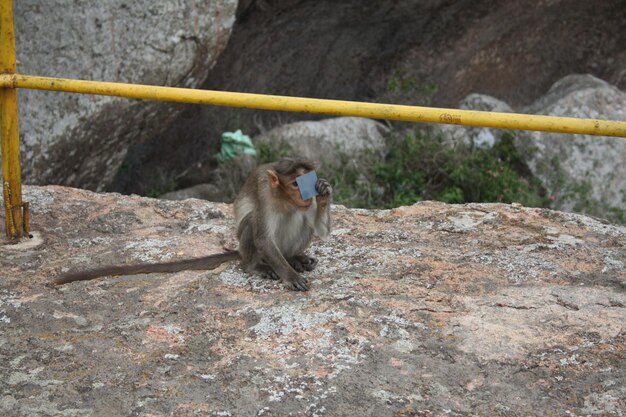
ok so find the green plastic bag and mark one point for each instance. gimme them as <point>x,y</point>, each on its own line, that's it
<point>233,144</point>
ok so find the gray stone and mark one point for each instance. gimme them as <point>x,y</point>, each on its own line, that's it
<point>477,137</point>
<point>581,172</point>
<point>201,191</point>
<point>331,141</point>
<point>81,139</point>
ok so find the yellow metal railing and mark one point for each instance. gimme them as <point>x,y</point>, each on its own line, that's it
<point>9,131</point>
<point>10,81</point>
<point>312,105</point>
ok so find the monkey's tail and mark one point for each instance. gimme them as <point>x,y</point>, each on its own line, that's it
<point>203,263</point>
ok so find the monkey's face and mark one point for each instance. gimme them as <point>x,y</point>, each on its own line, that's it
<point>293,190</point>
<point>288,186</point>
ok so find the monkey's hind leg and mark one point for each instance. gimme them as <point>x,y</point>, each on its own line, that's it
<point>266,271</point>
<point>302,263</point>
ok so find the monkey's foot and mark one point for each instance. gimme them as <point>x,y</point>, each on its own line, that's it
<point>266,272</point>
<point>297,284</point>
<point>303,263</point>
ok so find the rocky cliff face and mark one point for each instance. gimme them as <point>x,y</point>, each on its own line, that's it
<point>512,50</point>
<point>433,309</point>
<point>82,140</point>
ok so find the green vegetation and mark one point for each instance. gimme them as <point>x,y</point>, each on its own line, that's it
<point>157,189</point>
<point>419,167</point>
<point>274,151</point>
<point>401,89</point>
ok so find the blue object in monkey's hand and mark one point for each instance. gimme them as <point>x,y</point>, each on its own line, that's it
<point>306,184</point>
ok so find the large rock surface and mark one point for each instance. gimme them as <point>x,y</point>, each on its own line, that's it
<point>82,140</point>
<point>428,310</point>
<point>581,172</point>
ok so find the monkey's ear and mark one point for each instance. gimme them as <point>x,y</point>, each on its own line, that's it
<point>272,178</point>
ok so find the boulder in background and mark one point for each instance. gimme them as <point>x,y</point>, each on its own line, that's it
<point>582,172</point>
<point>81,140</point>
<point>327,141</point>
<point>474,136</point>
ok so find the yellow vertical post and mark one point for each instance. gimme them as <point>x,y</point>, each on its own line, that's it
<point>9,129</point>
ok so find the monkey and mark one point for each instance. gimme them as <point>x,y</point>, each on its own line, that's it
<point>274,227</point>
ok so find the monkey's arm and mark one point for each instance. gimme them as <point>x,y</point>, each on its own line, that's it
<point>322,222</point>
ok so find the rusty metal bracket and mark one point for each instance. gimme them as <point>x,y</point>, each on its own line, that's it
<point>11,229</point>
<point>26,218</point>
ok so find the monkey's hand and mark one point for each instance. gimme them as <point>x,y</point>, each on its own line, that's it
<point>324,191</point>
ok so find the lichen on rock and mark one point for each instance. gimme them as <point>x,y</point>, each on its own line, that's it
<point>476,309</point>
